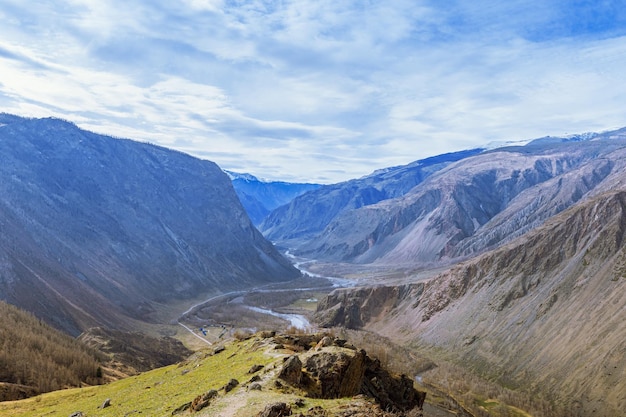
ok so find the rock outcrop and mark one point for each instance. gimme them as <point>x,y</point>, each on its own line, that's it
<point>333,371</point>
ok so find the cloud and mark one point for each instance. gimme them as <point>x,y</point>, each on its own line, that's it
<point>316,91</point>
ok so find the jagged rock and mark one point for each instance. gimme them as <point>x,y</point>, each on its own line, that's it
<point>201,401</point>
<point>336,374</point>
<point>275,410</point>
<point>255,369</point>
<point>106,403</point>
<point>230,385</point>
<point>292,370</point>
<point>345,373</point>
<point>325,342</point>
<point>316,411</point>
<point>255,387</point>
<point>77,414</point>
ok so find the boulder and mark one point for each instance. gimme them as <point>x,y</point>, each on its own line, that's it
<point>255,369</point>
<point>291,371</point>
<point>336,374</point>
<point>201,401</point>
<point>230,385</point>
<point>275,410</point>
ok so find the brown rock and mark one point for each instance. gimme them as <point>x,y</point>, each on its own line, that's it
<point>255,369</point>
<point>275,410</point>
<point>325,342</point>
<point>292,370</point>
<point>230,385</point>
<point>336,374</point>
<point>201,401</point>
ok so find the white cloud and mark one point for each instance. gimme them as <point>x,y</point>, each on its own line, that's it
<point>319,91</point>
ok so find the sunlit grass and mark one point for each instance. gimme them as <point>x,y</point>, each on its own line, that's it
<point>154,393</point>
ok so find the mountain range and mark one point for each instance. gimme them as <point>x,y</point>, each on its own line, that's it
<point>514,267</point>
<point>508,262</point>
<point>443,212</point>
<point>99,231</point>
<point>261,197</point>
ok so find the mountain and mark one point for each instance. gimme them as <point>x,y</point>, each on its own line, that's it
<point>259,197</point>
<point>307,215</point>
<point>467,207</point>
<point>98,231</point>
<point>543,313</point>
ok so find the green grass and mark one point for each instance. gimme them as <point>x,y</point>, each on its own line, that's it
<point>161,391</point>
<point>154,393</point>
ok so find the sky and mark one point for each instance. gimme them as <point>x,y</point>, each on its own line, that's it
<point>317,90</point>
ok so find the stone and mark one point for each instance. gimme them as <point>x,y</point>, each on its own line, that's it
<point>230,385</point>
<point>325,342</point>
<point>182,408</point>
<point>336,374</point>
<point>106,403</point>
<point>275,410</point>
<point>292,370</point>
<point>202,401</point>
<point>255,369</point>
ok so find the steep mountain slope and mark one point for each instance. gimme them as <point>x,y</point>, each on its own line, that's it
<point>259,198</point>
<point>35,357</point>
<point>307,215</point>
<point>95,230</point>
<point>472,205</point>
<point>543,313</point>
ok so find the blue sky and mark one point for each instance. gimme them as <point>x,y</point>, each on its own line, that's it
<point>323,90</point>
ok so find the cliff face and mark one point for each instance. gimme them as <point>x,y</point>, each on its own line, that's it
<point>308,215</point>
<point>471,206</point>
<point>543,313</point>
<point>96,230</point>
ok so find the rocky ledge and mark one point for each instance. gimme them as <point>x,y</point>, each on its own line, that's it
<point>334,369</point>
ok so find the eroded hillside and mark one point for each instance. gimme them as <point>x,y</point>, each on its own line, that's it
<point>543,313</point>
<point>470,206</point>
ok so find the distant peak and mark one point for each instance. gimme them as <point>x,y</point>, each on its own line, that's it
<point>244,177</point>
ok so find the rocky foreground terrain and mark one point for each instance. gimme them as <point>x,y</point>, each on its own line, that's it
<point>264,375</point>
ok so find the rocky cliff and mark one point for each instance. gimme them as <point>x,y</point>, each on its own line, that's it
<point>98,231</point>
<point>308,215</point>
<point>472,205</point>
<point>543,313</point>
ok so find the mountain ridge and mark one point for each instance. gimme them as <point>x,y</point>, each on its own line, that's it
<point>516,314</point>
<point>260,197</point>
<point>100,231</point>
<point>468,206</point>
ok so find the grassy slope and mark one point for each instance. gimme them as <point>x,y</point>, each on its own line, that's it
<point>159,392</point>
